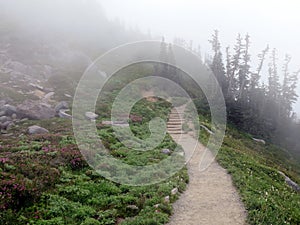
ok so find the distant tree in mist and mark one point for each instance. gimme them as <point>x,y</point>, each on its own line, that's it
<point>217,65</point>
<point>263,110</point>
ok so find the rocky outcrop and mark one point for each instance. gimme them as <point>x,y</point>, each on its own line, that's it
<point>35,110</point>
<point>8,110</point>
<point>290,183</point>
<point>37,130</point>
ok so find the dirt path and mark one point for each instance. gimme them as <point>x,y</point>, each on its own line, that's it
<point>210,198</point>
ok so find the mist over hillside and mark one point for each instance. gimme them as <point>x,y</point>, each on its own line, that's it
<point>40,39</point>
<point>156,132</point>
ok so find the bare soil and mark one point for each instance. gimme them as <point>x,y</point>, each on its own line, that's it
<point>210,197</point>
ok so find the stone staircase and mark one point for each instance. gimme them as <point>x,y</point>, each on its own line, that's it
<point>182,138</point>
<point>174,125</point>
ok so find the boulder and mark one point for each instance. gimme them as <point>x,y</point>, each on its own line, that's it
<point>61,105</point>
<point>37,130</point>
<point>35,110</point>
<point>3,119</point>
<point>91,115</point>
<point>8,109</point>
<point>6,125</point>
<point>291,183</point>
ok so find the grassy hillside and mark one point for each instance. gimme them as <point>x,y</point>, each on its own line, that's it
<point>44,179</point>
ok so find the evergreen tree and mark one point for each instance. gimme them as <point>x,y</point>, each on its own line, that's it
<point>235,66</point>
<point>288,94</point>
<point>244,71</point>
<point>274,85</point>
<point>171,68</point>
<point>255,77</point>
<point>161,69</point>
<point>217,65</point>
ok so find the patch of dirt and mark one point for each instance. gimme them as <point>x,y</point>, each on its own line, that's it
<point>210,198</point>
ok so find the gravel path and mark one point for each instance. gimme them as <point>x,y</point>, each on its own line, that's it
<point>210,198</point>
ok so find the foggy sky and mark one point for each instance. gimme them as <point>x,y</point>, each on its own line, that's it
<point>268,22</point>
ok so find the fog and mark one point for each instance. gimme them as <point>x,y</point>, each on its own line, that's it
<point>85,26</point>
<point>106,108</point>
<point>273,23</point>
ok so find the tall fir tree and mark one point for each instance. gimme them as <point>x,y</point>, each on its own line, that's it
<point>217,65</point>
<point>244,71</point>
<point>274,84</point>
<point>288,94</point>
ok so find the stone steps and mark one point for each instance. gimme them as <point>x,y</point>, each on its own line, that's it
<point>175,132</point>
<point>174,124</point>
<point>174,128</point>
<point>175,119</point>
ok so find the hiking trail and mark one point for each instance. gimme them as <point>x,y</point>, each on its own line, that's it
<point>210,197</point>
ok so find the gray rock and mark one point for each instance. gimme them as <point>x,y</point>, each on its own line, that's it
<point>35,110</point>
<point>9,125</point>
<point>2,113</point>
<point>3,119</point>
<point>207,130</point>
<point>61,105</point>
<point>67,95</point>
<point>6,125</point>
<point>37,130</point>
<point>134,207</point>
<point>166,151</point>
<point>2,102</point>
<point>290,183</point>
<point>8,109</point>
<point>259,140</point>
<point>156,206</point>
<point>167,199</point>
<point>62,114</point>
<point>36,86</point>
<point>14,116</point>
<point>49,95</point>
<point>181,153</point>
<point>174,191</point>
<point>2,131</point>
<point>91,115</point>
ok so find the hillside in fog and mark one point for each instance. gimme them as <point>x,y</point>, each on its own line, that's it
<point>149,112</point>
